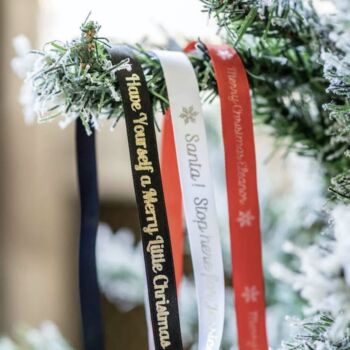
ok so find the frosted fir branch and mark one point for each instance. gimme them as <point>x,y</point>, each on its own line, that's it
<point>282,43</point>
<point>323,277</point>
<point>46,336</point>
<point>293,21</point>
<point>314,333</point>
<point>75,80</point>
<point>298,63</point>
<point>337,72</point>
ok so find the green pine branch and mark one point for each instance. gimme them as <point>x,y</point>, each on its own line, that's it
<point>282,44</point>
<point>315,333</point>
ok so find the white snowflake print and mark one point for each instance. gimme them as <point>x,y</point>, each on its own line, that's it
<point>225,54</point>
<point>250,294</point>
<point>189,114</point>
<point>245,218</point>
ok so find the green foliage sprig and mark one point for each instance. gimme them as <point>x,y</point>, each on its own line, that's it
<point>77,80</point>
<point>314,333</point>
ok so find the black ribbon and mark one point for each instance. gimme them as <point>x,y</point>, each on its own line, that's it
<point>150,201</point>
<point>88,285</point>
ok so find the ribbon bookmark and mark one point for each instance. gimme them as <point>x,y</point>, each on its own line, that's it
<point>150,201</point>
<point>197,191</point>
<point>242,192</point>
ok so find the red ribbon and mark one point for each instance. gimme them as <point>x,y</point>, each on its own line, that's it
<point>172,195</point>
<point>243,203</point>
<point>242,193</point>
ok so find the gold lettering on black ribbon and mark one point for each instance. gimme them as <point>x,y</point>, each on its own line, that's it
<point>150,200</point>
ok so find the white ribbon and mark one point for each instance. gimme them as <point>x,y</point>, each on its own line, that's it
<point>198,195</point>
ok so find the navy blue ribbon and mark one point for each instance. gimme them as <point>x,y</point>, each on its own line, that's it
<point>90,300</point>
